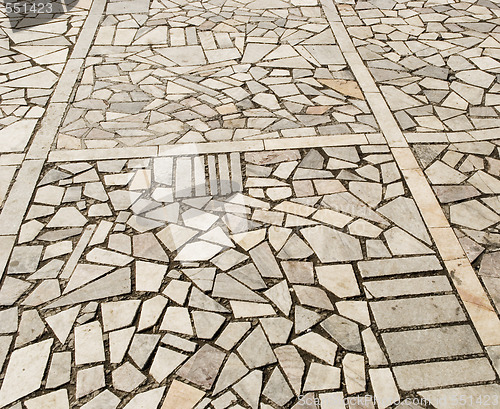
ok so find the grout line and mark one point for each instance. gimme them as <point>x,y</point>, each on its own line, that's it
<point>463,276</point>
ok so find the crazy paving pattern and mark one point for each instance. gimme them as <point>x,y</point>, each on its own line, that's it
<point>212,71</point>
<point>466,179</point>
<point>242,281</point>
<point>33,53</point>
<point>436,62</point>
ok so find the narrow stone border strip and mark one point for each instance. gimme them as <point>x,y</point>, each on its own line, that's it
<point>23,188</point>
<point>215,147</point>
<point>465,280</point>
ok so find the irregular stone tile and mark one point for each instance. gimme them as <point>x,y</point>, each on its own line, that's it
<point>207,324</point>
<point>60,370</point>
<point>339,279</point>
<point>233,332</point>
<point>255,350</point>
<point>62,323</point>
<point>182,396</point>
<point>89,380</point>
<point>119,342</point>
<point>472,214</point>
<point>203,367</point>
<point>89,347</point>
<point>277,329</point>
<point>318,346</point>
<point>279,294</point>
<point>322,377</point>
<point>148,399</point>
<point>249,388</point>
<point>8,320</point>
<point>149,276</point>
<point>265,262</point>
<point>331,245</point>
<point>118,314</point>
<point>24,259</point>
<point>344,331</point>
<point>31,327</point>
<point>142,347</point>
<point>177,291</point>
<point>67,217</point>
<point>277,389</point>
<point>403,212</point>
<point>384,387</point>
<point>305,318</point>
<point>25,371</point>
<point>249,276</point>
<point>233,370</point>
<point>105,400</point>
<point>102,256</point>
<point>312,296</point>
<point>401,243</point>
<point>146,246</point>
<point>353,366</point>
<point>151,311</point>
<point>127,378</point>
<point>227,287</point>
<point>293,367</point>
<point>165,362</point>
<point>54,400</point>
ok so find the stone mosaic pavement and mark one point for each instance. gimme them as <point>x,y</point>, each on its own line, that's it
<point>250,204</point>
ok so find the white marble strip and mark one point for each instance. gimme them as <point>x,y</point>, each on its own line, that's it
<point>70,266</point>
<point>225,178</point>
<point>199,176</point>
<point>212,174</point>
<point>236,176</point>
<point>183,177</point>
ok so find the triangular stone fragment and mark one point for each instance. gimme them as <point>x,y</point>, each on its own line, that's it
<point>249,275</point>
<point>206,323</point>
<point>197,299</point>
<point>344,331</point>
<point>277,389</point>
<point>292,364</point>
<point>227,287</point>
<point>249,388</point>
<point>62,323</point>
<point>203,367</point>
<point>401,243</point>
<point>279,294</point>
<point>142,347</point>
<point>165,362</point>
<point>295,248</point>
<point>255,349</point>
<point>119,342</point>
<point>305,318</point>
<point>202,277</point>
<point>233,370</point>
<point>146,246</point>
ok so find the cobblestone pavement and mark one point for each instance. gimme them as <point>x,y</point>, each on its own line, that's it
<point>250,204</point>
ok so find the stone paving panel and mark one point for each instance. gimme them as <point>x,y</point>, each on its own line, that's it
<point>184,72</point>
<point>465,177</point>
<point>223,278</point>
<point>436,63</point>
